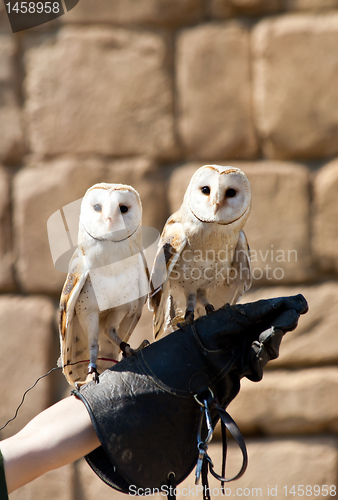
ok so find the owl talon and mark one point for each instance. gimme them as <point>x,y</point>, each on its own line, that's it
<point>90,377</point>
<point>189,317</point>
<point>92,373</point>
<point>209,308</point>
<point>127,351</point>
<point>143,344</point>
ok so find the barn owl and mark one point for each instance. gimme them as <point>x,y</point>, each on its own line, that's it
<point>203,260</point>
<point>107,283</point>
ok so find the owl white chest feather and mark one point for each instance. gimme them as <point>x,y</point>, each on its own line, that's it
<point>102,253</point>
<point>207,258</point>
<point>112,265</point>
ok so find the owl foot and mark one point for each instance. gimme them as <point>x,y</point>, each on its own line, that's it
<point>188,318</point>
<point>92,377</point>
<point>92,373</point>
<point>143,344</point>
<point>127,351</point>
<point>209,308</point>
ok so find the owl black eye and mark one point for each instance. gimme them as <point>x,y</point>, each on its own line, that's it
<point>123,209</point>
<point>98,207</point>
<point>230,193</point>
<point>205,190</point>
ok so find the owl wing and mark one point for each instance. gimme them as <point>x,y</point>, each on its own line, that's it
<point>129,322</point>
<point>231,290</point>
<point>68,326</point>
<point>243,268</point>
<point>171,245</point>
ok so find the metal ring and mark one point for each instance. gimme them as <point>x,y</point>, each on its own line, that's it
<point>199,402</point>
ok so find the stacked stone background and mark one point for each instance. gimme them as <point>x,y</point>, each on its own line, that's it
<point>144,93</point>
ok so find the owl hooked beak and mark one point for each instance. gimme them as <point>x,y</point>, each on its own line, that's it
<point>216,203</point>
<point>109,224</point>
<point>114,224</point>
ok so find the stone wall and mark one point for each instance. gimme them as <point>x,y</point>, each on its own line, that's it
<point>144,93</point>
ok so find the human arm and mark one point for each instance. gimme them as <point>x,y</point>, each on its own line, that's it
<point>59,435</point>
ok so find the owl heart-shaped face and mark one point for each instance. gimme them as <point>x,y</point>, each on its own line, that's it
<point>110,212</point>
<point>219,194</point>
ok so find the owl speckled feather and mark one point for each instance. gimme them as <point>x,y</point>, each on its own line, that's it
<point>203,258</point>
<point>107,282</point>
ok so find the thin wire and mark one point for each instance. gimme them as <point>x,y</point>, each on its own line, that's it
<point>24,395</point>
<point>43,376</point>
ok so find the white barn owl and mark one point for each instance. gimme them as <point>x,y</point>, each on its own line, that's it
<point>107,282</point>
<point>203,256</point>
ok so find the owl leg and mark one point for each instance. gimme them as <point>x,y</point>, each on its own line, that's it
<point>209,308</point>
<point>190,310</point>
<point>125,348</point>
<point>91,323</point>
<point>191,304</point>
<point>92,373</point>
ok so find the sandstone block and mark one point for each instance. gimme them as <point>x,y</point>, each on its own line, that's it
<point>288,402</point>
<point>278,228</point>
<point>296,119</point>
<point>314,342</point>
<point>26,335</point>
<point>178,183</point>
<point>214,92</point>
<point>273,464</point>
<point>4,22</point>
<point>53,485</point>
<point>228,8</point>
<point>100,90</point>
<point>11,139</point>
<point>153,12</point>
<point>6,254</point>
<point>325,239</point>
<point>310,4</point>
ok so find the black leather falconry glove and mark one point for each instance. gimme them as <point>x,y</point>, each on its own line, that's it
<point>153,411</point>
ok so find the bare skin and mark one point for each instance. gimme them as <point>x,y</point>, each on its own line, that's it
<point>58,436</point>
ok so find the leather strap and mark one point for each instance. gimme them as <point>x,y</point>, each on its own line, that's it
<point>171,486</point>
<point>224,452</point>
<point>3,485</point>
<point>236,433</point>
<point>205,482</point>
<point>226,423</point>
